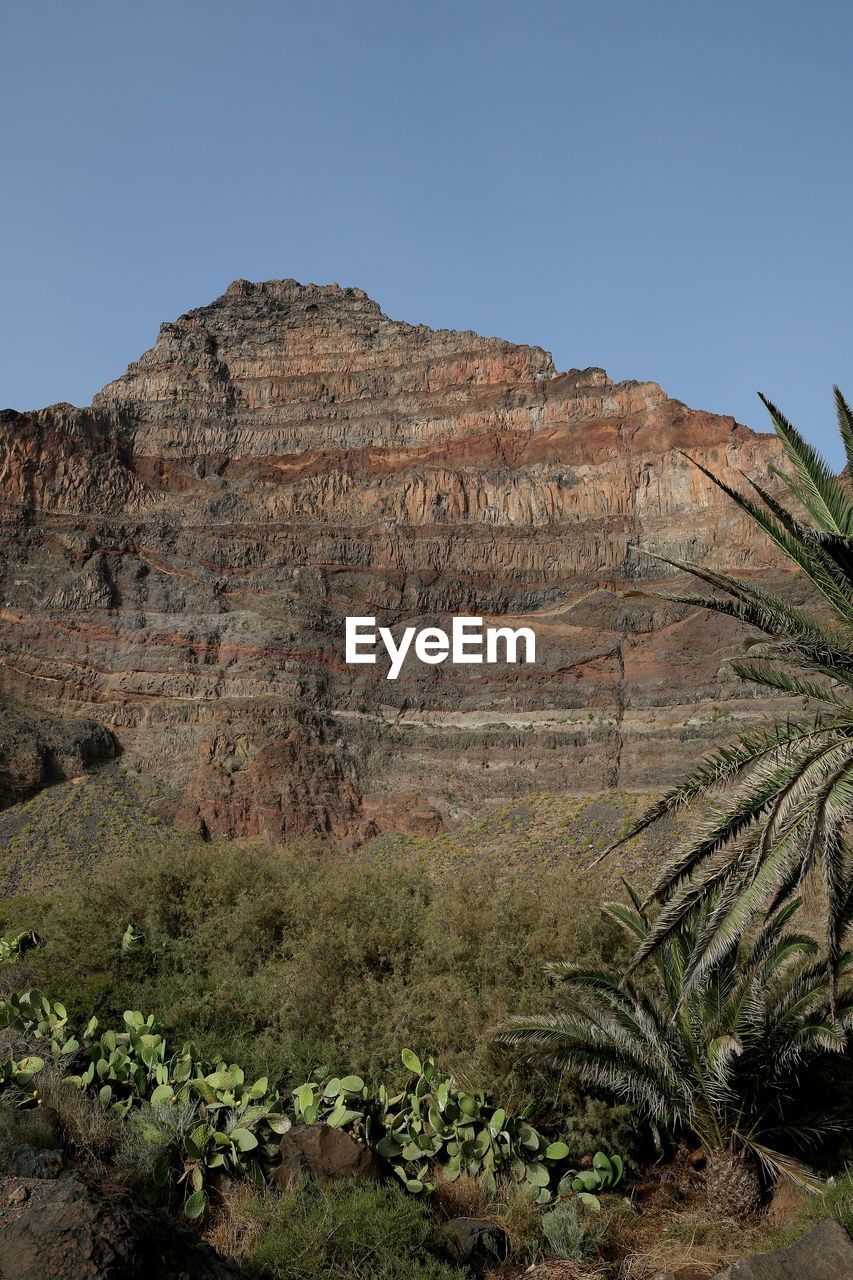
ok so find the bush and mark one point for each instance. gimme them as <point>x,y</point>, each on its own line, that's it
<point>298,963</point>
<point>521,1219</point>
<point>345,1231</point>
<point>573,1233</point>
<point>593,1125</point>
<point>200,1121</point>
<point>91,1136</point>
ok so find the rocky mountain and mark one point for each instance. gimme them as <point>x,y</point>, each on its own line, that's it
<point>177,561</point>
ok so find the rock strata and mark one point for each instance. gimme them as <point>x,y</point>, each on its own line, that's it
<point>178,559</point>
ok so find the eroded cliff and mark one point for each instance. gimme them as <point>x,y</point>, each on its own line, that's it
<point>177,560</point>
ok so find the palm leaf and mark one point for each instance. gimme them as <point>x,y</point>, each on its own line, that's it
<point>845,426</point>
<point>779,1163</point>
<point>719,1059</point>
<point>827,502</point>
<point>723,764</point>
<point>818,568</point>
<point>773,678</point>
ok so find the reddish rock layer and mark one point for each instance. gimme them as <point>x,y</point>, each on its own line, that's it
<point>177,560</point>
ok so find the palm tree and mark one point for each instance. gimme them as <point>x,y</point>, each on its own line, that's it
<point>778,800</point>
<point>720,1065</point>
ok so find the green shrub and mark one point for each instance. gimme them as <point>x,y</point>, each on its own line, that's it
<point>345,1231</point>
<point>432,1122</point>
<point>203,1120</point>
<point>300,964</point>
<point>716,1063</point>
<point>575,1233</point>
<point>593,1125</point>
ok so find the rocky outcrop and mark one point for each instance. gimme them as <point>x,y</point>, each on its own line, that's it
<point>85,1230</point>
<point>177,562</point>
<point>479,1242</point>
<point>826,1253</point>
<point>37,749</point>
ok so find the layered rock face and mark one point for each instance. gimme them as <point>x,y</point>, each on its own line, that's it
<point>37,749</point>
<point>177,561</point>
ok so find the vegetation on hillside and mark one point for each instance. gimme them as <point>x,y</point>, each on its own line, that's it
<point>204,1119</point>
<point>305,963</point>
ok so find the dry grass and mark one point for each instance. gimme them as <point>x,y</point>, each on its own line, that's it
<point>564,1270</point>
<point>511,1207</point>
<point>13,1044</point>
<point>674,1228</point>
<point>520,1218</point>
<point>91,1134</point>
<point>232,1231</point>
<point>461,1198</point>
<point>35,1126</point>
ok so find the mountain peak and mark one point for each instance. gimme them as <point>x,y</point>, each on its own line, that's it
<point>178,561</point>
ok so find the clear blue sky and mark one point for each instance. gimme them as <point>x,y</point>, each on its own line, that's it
<point>660,188</point>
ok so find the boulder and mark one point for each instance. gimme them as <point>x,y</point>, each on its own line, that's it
<point>826,1253</point>
<point>325,1154</point>
<point>478,1241</point>
<point>36,1126</point>
<point>84,1230</point>
<point>36,1162</point>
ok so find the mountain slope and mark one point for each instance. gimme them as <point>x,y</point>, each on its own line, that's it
<point>178,559</point>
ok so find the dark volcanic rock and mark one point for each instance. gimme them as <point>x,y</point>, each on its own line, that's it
<point>38,1127</point>
<point>826,1253</point>
<point>479,1241</point>
<point>86,1231</point>
<point>177,562</point>
<point>37,749</point>
<point>36,1162</point>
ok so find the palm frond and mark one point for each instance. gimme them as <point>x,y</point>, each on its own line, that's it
<point>718,1059</point>
<point>762,609</point>
<point>723,764</point>
<point>845,426</point>
<point>826,501</point>
<point>780,1164</point>
<point>818,567</point>
<point>774,678</point>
